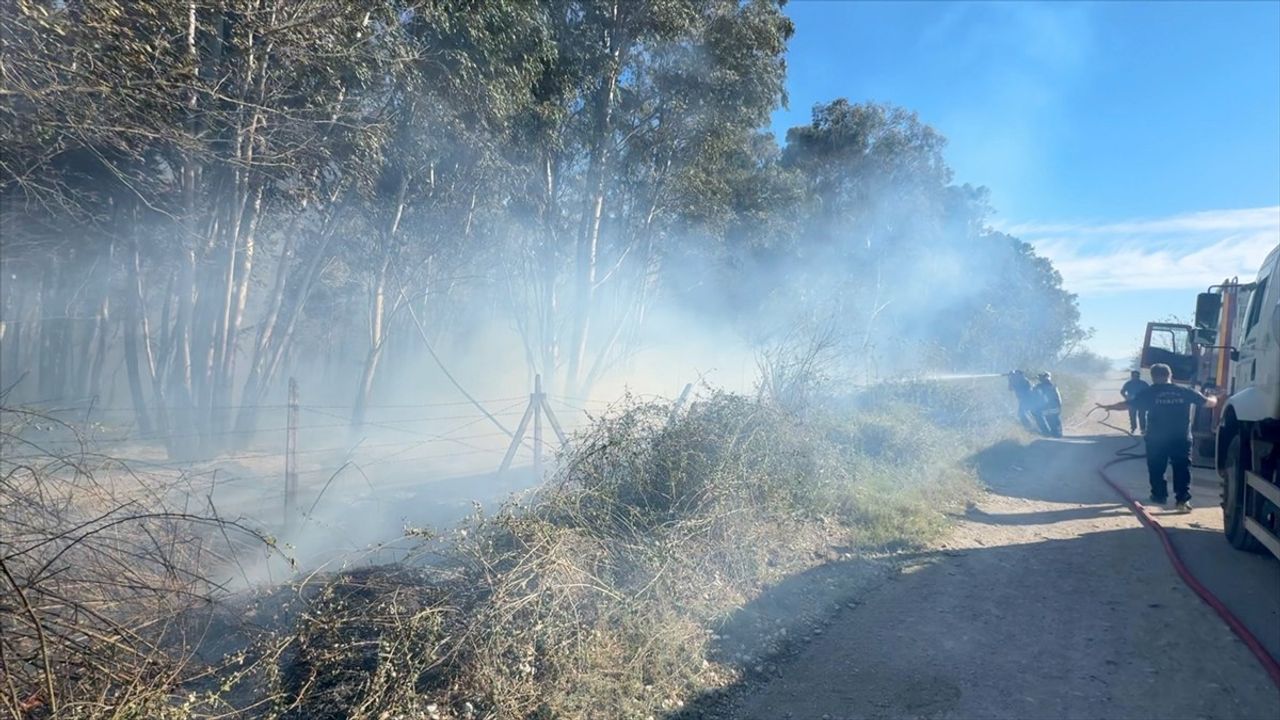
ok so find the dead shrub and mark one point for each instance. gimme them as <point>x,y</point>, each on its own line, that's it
<point>596,596</point>
<point>108,583</point>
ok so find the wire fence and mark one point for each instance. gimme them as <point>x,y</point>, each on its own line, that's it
<point>428,442</point>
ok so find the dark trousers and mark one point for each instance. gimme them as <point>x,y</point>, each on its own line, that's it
<point>1137,420</point>
<point>1163,452</point>
<point>1050,422</point>
<point>1026,414</point>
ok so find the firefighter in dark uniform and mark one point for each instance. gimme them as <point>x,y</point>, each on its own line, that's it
<point>1021,388</point>
<point>1168,408</point>
<point>1129,391</point>
<point>1049,410</point>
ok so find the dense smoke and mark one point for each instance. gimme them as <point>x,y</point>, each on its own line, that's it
<point>279,279</point>
<point>405,205</point>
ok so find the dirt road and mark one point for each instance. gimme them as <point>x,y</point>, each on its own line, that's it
<point>1050,601</point>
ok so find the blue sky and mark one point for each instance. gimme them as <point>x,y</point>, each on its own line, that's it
<point>1135,144</point>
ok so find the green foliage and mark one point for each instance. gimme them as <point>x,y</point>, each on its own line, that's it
<point>300,164</point>
<point>905,258</point>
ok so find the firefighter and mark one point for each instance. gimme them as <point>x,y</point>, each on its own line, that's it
<point>1049,412</point>
<point>1129,391</point>
<point>1168,436</point>
<point>1021,388</point>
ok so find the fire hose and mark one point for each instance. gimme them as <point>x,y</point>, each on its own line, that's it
<point>1128,453</point>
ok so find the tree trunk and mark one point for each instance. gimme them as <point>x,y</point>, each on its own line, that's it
<point>246,417</point>
<point>154,377</point>
<point>49,328</point>
<point>100,351</point>
<point>222,319</point>
<point>593,209</point>
<point>225,377</point>
<point>165,343</point>
<point>276,335</point>
<point>377,318</point>
<point>181,372</point>
<point>12,366</point>
<point>131,352</point>
<point>547,310</point>
<point>377,311</point>
<point>95,355</point>
<point>283,340</point>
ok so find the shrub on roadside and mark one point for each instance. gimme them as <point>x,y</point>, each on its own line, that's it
<point>599,594</point>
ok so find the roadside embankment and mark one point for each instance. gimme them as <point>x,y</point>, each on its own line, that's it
<point>620,589</point>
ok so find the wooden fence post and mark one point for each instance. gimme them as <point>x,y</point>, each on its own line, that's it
<point>538,408</point>
<point>678,405</point>
<point>291,455</point>
<point>536,402</point>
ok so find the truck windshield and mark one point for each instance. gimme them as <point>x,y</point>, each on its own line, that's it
<point>1171,340</point>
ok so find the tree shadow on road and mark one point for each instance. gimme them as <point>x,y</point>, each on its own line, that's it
<point>1061,471</point>
<point>1045,517</point>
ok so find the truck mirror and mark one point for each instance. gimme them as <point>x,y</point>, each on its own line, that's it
<point>1208,310</point>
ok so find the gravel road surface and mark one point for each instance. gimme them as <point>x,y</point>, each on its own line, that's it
<point>1050,600</point>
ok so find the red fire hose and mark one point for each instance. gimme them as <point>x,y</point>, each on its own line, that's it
<point>1250,641</point>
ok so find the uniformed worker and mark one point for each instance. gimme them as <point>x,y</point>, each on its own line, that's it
<point>1049,411</point>
<point>1021,388</point>
<point>1168,437</point>
<point>1129,391</point>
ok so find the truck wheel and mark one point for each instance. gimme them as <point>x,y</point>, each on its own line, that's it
<point>1233,511</point>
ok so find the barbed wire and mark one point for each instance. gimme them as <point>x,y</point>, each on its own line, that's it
<point>348,423</point>
<point>266,406</point>
<point>217,473</point>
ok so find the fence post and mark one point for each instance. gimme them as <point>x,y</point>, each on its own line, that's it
<point>291,455</point>
<point>678,405</point>
<point>536,401</point>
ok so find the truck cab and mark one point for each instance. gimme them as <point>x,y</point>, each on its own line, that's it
<point>1248,437</point>
<point>1190,354</point>
<point>1171,344</point>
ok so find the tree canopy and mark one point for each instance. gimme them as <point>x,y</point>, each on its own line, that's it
<point>209,194</point>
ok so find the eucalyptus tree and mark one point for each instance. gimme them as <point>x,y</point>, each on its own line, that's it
<point>180,131</point>
<point>905,258</point>
<point>637,98</point>
<point>468,68</point>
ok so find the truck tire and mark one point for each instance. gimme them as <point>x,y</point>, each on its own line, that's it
<point>1233,500</point>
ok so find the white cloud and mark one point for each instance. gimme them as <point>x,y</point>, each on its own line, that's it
<point>1265,218</point>
<point>1189,251</point>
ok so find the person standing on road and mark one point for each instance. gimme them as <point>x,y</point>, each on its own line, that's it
<point>1168,436</point>
<point>1129,391</point>
<point>1021,388</point>
<point>1049,413</point>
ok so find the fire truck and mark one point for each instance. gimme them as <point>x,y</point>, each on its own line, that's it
<point>1233,352</point>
